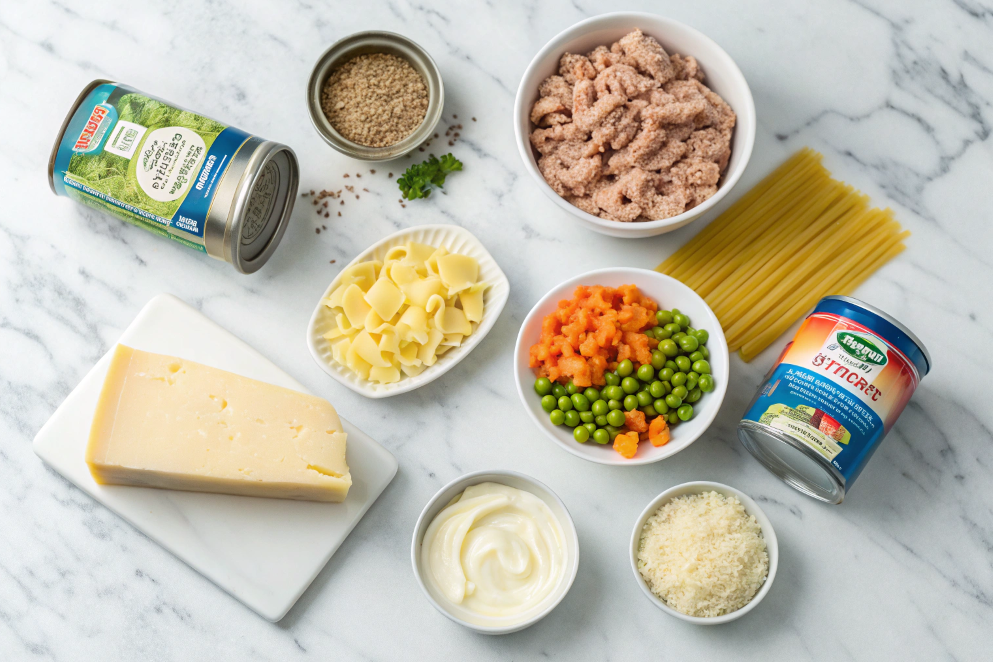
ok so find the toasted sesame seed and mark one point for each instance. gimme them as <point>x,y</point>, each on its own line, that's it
<point>473,119</point>
<point>317,230</point>
<point>347,175</point>
<point>372,172</point>
<point>333,261</point>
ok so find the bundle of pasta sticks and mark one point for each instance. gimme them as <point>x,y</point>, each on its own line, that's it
<point>796,237</point>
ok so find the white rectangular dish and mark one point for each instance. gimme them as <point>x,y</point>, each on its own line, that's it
<point>264,552</point>
<point>456,240</point>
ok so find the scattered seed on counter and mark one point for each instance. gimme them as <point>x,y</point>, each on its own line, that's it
<point>390,176</point>
<point>324,227</point>
<point>358,175</point>
<point>372,172</point>
<point>325,216</point>
<point>333,261</point>
<point>339,213</point>
<point>455,117</point>
<point>317,230</point>
<point>366,190</point>
<point>473,119</point>
<point>346,175</point>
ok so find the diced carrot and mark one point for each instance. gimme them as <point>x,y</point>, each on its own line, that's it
<point>626,443</point>
<point>635,420</point>
<point>658,431</point>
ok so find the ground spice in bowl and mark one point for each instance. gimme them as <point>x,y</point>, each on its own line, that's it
<point>375,100</point>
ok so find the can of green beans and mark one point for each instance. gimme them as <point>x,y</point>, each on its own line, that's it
<point>209,186</point>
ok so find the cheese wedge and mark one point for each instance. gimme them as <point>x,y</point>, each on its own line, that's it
<point>174,424</point>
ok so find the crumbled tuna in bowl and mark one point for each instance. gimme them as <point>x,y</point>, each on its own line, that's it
<point>634,123</point>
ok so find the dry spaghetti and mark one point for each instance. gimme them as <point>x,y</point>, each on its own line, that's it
<point>796,237</point>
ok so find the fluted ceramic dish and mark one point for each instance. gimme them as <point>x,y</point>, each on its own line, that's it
<point>456,240</point>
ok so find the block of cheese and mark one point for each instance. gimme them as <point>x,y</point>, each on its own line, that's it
<point>171,423</point>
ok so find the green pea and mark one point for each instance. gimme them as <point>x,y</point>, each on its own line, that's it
<point>672,328</point>
<point>688,343</point>
<point>655,331</point>
<point>600,421</point>
<point>543,386</point>
<point>696,356</point>
<point>590,427</point>
<point>683,363</point>
<point>694,395</point>
<point>625,368</point>
<point>677,336</point>
<point>592,394</point>
<point>680,392</point>
<point>581,434</point>
<point>672,366</point>
<point>565,403</point>
<point>669,348</point>
<point>658,359</point>
<point>612,432</point>
<point>601,437</point>
<point>692,380</point>
<point>644,398</point>
<point>665,374</point>
<point>600,408</point>
<point>705,352</point>
<point>571,388</point>
<point>673,400</point>
<point>660,406</point>
<point>701,335</point>
<point>615,418</point>
<point>690,331</point>
<point>558,391</point>
<point>649,332</point>
<point>657,389</point>
<point>580,402</point>
<point>702,366</point>
<point>678,379</point>
<point>649,411</point>
<point>613,393</point>
<point>572,418</point>
<point>682,320</point>
<point>673,418</point>
<point>630,385</point>
<point>685,412</point>
<point>630,402</point>
<point>642,386</point>
<point>662,333</point>
<point>557,417</point>
<point>676,311</point>
<point>611,378</point>
<point>706,383</point>
<point>614,404</point>
<point>548,403</point>
<point>668,387</point>
<point>663,317</point>
<point>586,416</point>
<point>646,373</point>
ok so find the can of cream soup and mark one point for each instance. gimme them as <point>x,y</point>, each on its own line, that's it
<point>207,185</point>
<point>832,396</point>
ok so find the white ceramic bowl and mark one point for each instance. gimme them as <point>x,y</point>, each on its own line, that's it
<point>722,76</point>
<point>456,240</point>
<point>520,482</point>
<point>751,508</point>
<point>668,293</point>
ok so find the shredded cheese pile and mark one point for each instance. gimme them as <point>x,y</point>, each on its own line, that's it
<point>703,554</point>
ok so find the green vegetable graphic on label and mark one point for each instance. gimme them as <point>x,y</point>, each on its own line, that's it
<point>861,348</point>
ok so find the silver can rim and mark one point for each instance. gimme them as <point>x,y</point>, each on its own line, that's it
<point>753,435</point>
<point>372,41</point>
<point>889,318</point>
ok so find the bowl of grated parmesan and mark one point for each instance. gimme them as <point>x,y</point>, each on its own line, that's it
<point>704,552</point>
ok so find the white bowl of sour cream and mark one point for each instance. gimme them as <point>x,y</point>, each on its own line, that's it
<point>495,551</point>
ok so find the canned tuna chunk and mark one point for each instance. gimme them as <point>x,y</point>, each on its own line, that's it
<point>832,396</point>
<point>207,185</point>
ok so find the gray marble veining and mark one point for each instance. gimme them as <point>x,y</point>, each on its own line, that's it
<point>897,95</point>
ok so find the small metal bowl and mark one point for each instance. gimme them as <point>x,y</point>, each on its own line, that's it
<point>362,43</point>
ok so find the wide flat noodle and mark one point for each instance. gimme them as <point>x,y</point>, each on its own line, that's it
<point>394,318</point>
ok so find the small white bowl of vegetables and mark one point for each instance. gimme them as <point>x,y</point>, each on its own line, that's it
<point>686,380</point>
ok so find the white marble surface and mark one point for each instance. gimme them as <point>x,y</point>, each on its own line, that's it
<point>899,97</point>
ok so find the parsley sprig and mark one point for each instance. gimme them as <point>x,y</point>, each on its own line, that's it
<point>418,179</point>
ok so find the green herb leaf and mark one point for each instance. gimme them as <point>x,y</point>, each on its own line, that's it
<point>418,179</point>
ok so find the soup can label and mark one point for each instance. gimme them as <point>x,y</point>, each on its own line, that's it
<point>145,161</point>
<point>837,388</point>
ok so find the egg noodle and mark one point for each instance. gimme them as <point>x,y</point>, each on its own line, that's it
<point>796,237</point>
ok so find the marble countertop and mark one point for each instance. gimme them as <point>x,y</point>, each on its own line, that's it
<point>898,96</point>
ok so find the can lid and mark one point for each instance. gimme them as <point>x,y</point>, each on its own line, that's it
<point>892,330</point>
<point>261,202</point>
<point>792,461</point>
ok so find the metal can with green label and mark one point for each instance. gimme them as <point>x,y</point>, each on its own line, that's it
<point>207,185</point>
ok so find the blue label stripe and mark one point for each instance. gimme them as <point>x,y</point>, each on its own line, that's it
<point>191,217</point>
